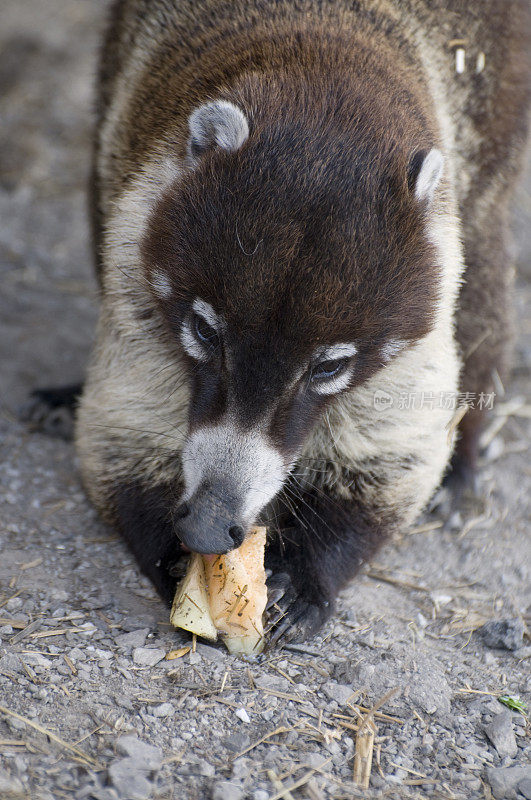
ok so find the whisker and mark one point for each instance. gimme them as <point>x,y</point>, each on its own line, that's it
<point>135,430</point>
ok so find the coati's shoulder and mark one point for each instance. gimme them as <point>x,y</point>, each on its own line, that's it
<point>483,51</point>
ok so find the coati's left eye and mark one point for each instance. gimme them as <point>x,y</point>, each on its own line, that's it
<point>204,332</point>
<point>328,369</point>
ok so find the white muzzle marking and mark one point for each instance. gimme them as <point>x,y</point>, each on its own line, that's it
<point>250,468</point>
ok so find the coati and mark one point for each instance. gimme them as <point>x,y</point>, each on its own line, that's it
<point>300,219</point>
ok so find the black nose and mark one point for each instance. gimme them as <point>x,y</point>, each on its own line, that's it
<point>208,522</point>
<point>237,534</point>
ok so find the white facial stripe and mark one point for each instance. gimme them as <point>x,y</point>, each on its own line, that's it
<point>161,284</point>
<point>333,385</point>
<point>190,343</point>
<point>245,462</point>
<point>392,348</point>
<point>206,311</point>
<point>342,350</point>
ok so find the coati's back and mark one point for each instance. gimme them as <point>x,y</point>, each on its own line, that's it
<point>282,195</point>
<point>473,55</point>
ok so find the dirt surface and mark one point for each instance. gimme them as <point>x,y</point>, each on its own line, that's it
<point>89,705</point>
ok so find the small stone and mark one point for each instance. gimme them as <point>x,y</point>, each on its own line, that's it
<point>236,741</point>
<point>59,594</point>
<point>146,756</point>
<point>473,784</point>
<point>206,769</point>
<point>225,790</point>
<point>242,714</point>
<point>504,780</point>
<point>130,782</point>
<point>76,654</point>
<point>501,734</point>
<point>36,660</point>
<point>164,710</point>
<point>455,521</point>
<point>339,692</point>
<point>506,634</point>
<point>422,622</point>
<point>260,794</point>
<point>524,787</point>
<point>132,639</point>
<point>210,653</point>
<point>365,673</point>
<point>440,598</point>
<point>10,787</point>
<point>16,725</point>
<point>314,760</point>
<point>147,656</point>
<point>87,629</point>
<point>14,604</point>
<point>11,663</point>
<point>275,682</point>
<point>333,747</point>
<point>103,655</point>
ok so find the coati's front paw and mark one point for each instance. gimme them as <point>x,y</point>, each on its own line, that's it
<point>292,617</point>
<point>52,411</point>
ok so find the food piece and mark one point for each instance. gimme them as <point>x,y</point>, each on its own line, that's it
<point>226,594</point>
<point>237,594</point>
<point>190,609</point>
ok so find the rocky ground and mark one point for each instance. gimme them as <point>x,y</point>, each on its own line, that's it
<point>90,705</point>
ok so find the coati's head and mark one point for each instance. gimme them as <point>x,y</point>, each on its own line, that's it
<point>290,261</point>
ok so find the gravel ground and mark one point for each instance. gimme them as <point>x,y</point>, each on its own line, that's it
<point>90,707</point>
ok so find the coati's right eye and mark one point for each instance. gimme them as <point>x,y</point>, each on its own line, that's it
<point>328,369</point>
<point>204,332</point>
<point>332,368</point>
<point>200,331</point>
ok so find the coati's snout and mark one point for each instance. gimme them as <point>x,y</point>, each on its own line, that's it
<point>229,476</point>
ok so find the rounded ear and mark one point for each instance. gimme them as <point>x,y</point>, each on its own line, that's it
<point>424,173</point>
<point>216,124</point>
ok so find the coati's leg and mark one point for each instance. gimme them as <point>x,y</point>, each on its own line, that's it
<point>484,331</point>
<point>321,543</point>
<point>484,322</point>
<point>143,516</point>
<point>52,411</point>
<point>493,138</point>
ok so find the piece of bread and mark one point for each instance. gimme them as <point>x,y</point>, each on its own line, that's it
<point>226,594</point>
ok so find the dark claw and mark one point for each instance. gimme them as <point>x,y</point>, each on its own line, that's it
<point>179,567</point>
<point>290,617</point>
<point>301,621</point>
<point>277,586</point>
